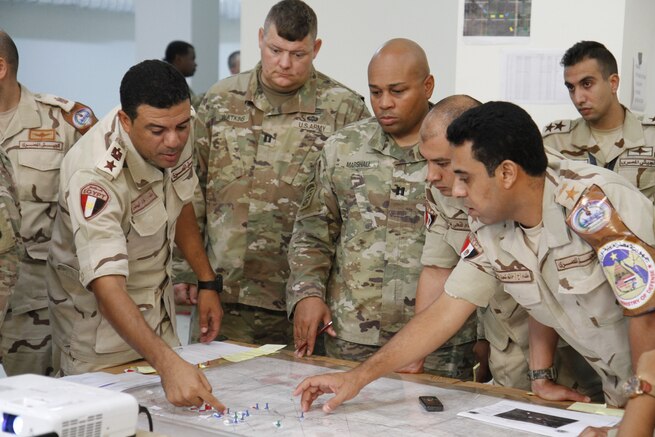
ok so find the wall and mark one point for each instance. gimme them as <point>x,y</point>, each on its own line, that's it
<point>556,24</point>
<point>639,37</point>
<point>77,53</point>
<point>352,30</point>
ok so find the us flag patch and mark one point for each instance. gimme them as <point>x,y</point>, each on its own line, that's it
<point>471,248</point>
<point>93,199</point>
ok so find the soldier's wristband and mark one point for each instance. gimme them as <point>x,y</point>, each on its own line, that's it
<point>216,284</point>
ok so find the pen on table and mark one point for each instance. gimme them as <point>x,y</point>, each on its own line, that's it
<point>320,331</point>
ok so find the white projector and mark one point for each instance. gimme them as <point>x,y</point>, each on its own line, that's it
<point>33,405</point>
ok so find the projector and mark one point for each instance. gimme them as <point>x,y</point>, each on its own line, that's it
<point>33,405</point>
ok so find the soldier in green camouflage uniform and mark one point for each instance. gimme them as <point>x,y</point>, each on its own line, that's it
<point>355,249</point>
<point>11,245</point>
<point>39,131</point>
<point>607,134</point>
<point>258,136</point>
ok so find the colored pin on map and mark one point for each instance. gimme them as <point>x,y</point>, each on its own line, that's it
<point>277,424</point>
<point>266,407</point>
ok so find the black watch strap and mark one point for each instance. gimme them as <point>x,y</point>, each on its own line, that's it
<point>216,284</point>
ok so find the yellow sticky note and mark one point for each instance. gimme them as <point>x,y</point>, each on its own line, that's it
<point>595,409</point>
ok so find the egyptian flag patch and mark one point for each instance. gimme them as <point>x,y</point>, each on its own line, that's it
<point>93,198</point>
<point>430,216</point>
<point>471,248</point>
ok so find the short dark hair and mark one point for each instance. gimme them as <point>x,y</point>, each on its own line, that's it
<point>232,59</point>
<point>500,131</point>
<point>176,48</point>
<point>293,19</point>
<point>591,50</point>
<point>154,83</point>
<point>8,51</point>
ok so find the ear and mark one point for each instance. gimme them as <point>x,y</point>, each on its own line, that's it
<point>126,123</point>
<point>507,172</point>
<point>317,46</point>
<point>614,82</point>
<point>261,38</point>
<point>428,85</point>
<point>4,68</point>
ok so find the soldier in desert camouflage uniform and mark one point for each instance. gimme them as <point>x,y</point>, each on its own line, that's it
<point>11,245</point>
<point>607,134</point>
<point>504,324</point>
<point>355,249</point>
<point>258,136</point>
<point>125,195</point>
<point>38,131</point>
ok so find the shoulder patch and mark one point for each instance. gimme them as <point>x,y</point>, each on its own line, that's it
<point>80,117</point>
<point>558,127</point>
<point>471,247</point>
<point>93,199</point>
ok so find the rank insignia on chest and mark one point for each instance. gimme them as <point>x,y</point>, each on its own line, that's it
<point>93,199</point>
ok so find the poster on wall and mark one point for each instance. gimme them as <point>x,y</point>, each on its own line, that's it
<point>497,21</point>
<point>639,80</point>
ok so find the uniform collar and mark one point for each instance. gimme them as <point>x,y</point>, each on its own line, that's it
<point>385,144</point>
<point>633,134</point>
<point>27,114</point>
<point>143,173</point>
<point>303,101</point>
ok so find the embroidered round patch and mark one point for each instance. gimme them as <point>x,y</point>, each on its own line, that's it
<point>591,217</point>
<point>630,270</point>
<point>93,199</point>
<point>82,118</point>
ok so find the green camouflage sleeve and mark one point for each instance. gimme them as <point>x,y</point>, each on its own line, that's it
<point>11,247</point>
<point>315,231</point>
<point>182,272</point>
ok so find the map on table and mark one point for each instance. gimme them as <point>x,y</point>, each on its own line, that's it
<point>258,394</point>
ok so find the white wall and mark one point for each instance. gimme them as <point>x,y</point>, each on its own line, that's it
<point>639,37</point>
<point>556,24</point>
<point>77,53</point>
<point>352,30</point>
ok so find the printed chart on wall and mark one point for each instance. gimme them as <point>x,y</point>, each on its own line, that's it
<point>258,393</point>
<point>497,18</point>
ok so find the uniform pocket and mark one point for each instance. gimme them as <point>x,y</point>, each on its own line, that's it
<point>147,233</point>
<point>592,294</point>
<point>107,339</point>
<point>38,171</point>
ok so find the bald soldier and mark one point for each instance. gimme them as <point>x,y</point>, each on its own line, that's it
<point>354,253</point>
<point>258,136</point>
<point>36,131</point>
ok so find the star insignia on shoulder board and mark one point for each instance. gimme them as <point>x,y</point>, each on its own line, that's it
<point>559,125</point>
<point>110,165</point>
<point>570,193</point>
<point>550,127</point>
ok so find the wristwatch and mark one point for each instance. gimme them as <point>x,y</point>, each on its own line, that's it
<point>549,373</point>
<point>216,284</point>
<point>636,386</point>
